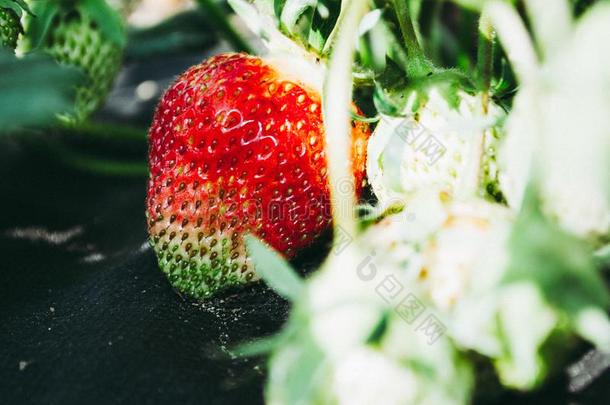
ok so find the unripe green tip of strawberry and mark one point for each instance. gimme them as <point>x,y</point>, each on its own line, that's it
<point>237,147</point>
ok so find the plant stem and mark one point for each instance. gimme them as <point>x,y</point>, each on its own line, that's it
<point>515,39</point>
<point>98,165</point>
<point>403,14</point>
<point>104,131</point>
<point>485,58</point>
<point>473,177</point>
<point>337,99</point>
<point>220,19</point>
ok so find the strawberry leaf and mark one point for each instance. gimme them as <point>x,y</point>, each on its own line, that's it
<point>258,347</point>
<point>602,256</point>
<point>475,5</point>
<point>559,263</point>
<point>276,271</point>
<point>34,89</point>
<point>308,22</point>
<point>44,13</point>
<point>292,10</point>
<point>107,19</point>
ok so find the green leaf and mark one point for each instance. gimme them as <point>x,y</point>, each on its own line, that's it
<point>298,372</point>
<point>475,5</point>
<point>292,10</point>
<point>276,271</point>
<point>34,89</point>
<point>390,100</point>
<point>602,256</point>
<point>308,22</point>
<point>393,88</point>
<point>522,364</point>
<point>44,14</point>
<point>581,6</point>
<point>560,264</point>
<point>107,19</point>
<point>379,331</point>
<point>260,346</point>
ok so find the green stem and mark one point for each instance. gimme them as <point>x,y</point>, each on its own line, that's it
<point>111,132</point>
<point>220,20</point>
<point>368,120</point>
<point>102,166</point>
<point>98,165</point>
<point>403,14</point>
<point>337,99</point>
<point>474,176</point>
<point>485,57</point>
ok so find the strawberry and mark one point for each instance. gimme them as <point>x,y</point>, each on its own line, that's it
<point>236,147</point>
<point>84,34</point>
<point>434,148</point>
<point>77,42</point>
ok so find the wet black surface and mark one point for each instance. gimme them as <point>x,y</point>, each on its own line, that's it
<point>86,315</point>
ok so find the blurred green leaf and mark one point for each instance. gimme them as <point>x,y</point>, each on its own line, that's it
<point>40,23</point>
<point>184,32</point>
<point>602,256</point>
<point>560,269</point>
<point>309,22</point>
<point>560,264</point>
<point>34,89</point>
<point>292,10</point>
<point>581,6</point>
<point>108,20</point>
<point>475,4</point>
<point>276,271</point>
<point>471,4</point>
<point>259,347</point>
<point>521,363</point>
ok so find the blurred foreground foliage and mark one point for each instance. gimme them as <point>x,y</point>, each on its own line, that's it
<point>34,89</point>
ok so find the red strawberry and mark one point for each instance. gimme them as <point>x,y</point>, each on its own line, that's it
<point>236,147</point>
